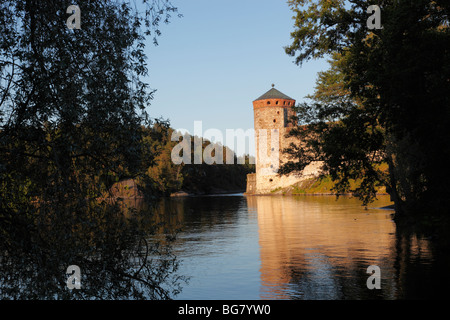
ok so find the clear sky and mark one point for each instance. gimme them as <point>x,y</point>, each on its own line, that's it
<point>220,56</point>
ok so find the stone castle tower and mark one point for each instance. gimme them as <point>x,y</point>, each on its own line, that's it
<point>272,112</point>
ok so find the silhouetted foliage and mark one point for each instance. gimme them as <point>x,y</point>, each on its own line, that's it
<point>72,105</point>
<point>385,98</point>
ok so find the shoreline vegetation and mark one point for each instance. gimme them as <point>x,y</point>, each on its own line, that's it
<point>158,176</point>
<point>164,178</point>
<point>320,185</point>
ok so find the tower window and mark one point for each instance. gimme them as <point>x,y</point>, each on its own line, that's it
<point>278,112</point>
<point>274,120</point>
<point>270,180</point>
<point>284,103</point>
<point>276,102</point>
<point>268,102</point>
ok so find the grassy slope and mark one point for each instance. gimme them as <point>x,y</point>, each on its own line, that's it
<point>322,185</point>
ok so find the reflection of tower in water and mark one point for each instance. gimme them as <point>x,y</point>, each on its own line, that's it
<point>320,248</point>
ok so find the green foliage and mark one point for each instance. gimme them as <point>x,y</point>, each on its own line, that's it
<point>163,177</point>
<point>72,105</point>
<point>72,100</point>
<point>385,98</point>
<point>159,176</point>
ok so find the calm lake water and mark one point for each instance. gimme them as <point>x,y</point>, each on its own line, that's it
<point>299,247</point>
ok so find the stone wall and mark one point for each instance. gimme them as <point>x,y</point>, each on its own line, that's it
<point>251,183</point>
<point>271,117</point>
<point>270,183</point>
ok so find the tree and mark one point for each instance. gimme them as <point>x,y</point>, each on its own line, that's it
<point>72,102</point>
<point>393,103</point>
<point>161,176</point>
<point>339,131</point>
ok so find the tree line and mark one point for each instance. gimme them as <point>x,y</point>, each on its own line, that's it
<point>162,177</point>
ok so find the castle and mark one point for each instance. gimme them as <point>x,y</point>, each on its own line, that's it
<point>272,112</point>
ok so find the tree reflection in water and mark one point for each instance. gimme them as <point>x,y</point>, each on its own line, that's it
<point>122,253</point>
<point>320,248</point>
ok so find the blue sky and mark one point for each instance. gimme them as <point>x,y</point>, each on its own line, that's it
<point>220,56</point>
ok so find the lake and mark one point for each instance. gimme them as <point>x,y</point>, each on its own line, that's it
<point>299,247</point>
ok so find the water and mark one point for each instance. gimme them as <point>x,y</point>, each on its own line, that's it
<point>231,247</point>
<point>298,247</point>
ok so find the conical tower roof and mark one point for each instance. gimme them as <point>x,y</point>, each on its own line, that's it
<point>273,94</point>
